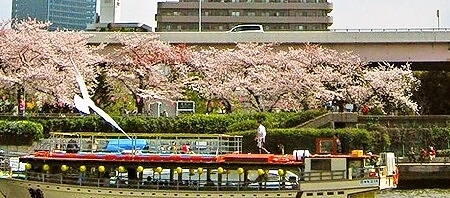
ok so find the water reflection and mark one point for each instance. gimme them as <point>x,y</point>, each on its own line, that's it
<point>435,193</point>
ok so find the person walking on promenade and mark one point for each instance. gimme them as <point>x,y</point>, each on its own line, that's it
<point>423,155</point>
<point>412,155</point>
<point>261,138</point>
<point>432,153</point>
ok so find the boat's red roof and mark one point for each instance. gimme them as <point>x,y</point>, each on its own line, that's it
<point>165,158</point>
<point>177,158</point>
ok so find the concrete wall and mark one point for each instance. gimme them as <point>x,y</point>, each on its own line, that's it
<point>371,46</point>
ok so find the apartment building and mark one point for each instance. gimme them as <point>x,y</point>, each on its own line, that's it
<point>221,15</point>
<point>64,14</point>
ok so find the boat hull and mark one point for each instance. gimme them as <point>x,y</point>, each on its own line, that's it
<point>20,189</point>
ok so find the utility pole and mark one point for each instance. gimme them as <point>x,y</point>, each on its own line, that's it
<point>199,15</point>
<point>438,20</point>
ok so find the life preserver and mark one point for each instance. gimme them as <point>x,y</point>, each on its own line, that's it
<point>396,175</point>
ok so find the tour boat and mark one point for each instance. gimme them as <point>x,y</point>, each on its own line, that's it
<point>182,165</point>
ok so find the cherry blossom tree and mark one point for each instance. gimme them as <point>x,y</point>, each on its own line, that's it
<point>345,76</point>
<point>149,68</point>
<point>244,74</point>
<point>38,61</point>
<point>300,78</point>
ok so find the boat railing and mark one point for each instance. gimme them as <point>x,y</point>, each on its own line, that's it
<point>355,173</point>
<point>188,182</point>
<point>154,143</point>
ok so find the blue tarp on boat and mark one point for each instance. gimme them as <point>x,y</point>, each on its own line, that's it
<point>115,145</point>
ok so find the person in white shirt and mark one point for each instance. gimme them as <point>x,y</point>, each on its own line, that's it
<point>261,138</point>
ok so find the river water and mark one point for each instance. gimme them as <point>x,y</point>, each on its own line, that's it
<point>438,193</point>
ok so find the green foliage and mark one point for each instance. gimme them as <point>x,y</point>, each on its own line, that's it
<point>195,123</point>
<point>381,138</point>
<point>243,126</point>
<point>200,123</point>
<point>400,140</point>
<point>304,138</point>
<point>200,106</point>
<point>301,117</point>
<point>434,92</point>
<point>20,132</point>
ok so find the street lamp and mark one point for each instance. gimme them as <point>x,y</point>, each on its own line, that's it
<point>199,15</point>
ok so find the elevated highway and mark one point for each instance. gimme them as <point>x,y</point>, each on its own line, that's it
<point>425,48</point>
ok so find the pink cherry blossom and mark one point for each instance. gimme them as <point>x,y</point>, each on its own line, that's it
<point>39,60</point>
<point>299,78</point>
<point>149,68</point>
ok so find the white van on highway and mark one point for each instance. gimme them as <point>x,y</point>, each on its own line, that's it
<point>247,28</point>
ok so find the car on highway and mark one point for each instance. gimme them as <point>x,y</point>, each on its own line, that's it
<point>246,28</point>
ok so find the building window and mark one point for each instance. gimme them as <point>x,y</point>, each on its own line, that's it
<point>278,14</point>
<point>234,1</point>
<point>301,27</point>
<point>250,13</point>
<point>235,13</point>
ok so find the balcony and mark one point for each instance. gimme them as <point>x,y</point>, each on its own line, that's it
<point>245,5</point>
<point>246,19</point>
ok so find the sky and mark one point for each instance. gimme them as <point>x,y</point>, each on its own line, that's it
<point>347,14</point>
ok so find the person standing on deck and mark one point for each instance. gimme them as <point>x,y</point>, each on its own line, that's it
<point>261,137</point>
<point>337,143</point>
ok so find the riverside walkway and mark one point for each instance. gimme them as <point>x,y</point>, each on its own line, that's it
<point>424,175</point>
<point>425,171</point>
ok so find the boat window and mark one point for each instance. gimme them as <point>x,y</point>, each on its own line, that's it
<point>321,164</point>
<point>357,166</point>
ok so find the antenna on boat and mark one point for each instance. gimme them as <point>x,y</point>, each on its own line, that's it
<point>83,103</point>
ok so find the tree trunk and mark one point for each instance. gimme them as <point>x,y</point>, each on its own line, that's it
<point>209,109</point>
<point>21,100</point>
<point>137,99</point>
<point>227,105</point>
<point>140,105</point>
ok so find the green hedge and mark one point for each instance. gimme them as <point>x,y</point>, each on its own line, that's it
<point>20,132</point>
<point>196,123</point>
<point>302,117</point>
<point>401,139</point>
<point>305,138</point>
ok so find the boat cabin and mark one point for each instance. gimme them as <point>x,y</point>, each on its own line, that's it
<point>327,164</point>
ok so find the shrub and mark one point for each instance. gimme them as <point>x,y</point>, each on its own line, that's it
<point>303,138</point>
<point>20,132</point>
<point>301,117</point>
<point>195,123</point>
<point>243,126</point>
